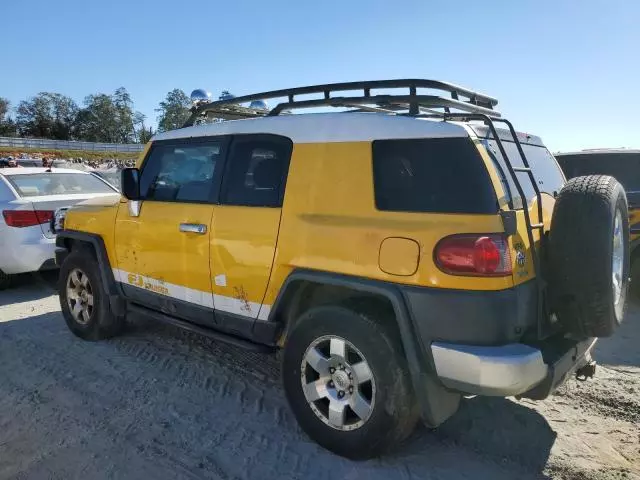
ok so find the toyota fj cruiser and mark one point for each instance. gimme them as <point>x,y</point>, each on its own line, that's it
<point>402,252</point>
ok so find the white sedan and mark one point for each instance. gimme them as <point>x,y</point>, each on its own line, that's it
<point>28,199</point>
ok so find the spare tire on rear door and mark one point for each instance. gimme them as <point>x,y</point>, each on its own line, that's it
<point>589,255</point>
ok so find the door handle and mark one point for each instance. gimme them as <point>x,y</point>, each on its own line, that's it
<point>198,228</point>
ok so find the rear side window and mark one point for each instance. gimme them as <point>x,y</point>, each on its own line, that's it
<point>438,175</point>
<point>256,171</point>
<point>545,169</point>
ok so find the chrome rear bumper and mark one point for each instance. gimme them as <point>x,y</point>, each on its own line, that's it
<point>504,370</point>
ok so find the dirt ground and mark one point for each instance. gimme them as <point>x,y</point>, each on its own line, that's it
<point>158,403</point>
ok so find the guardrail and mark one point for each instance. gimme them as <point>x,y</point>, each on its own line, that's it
<point>15,142</point>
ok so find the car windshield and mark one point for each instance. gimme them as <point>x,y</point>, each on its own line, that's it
<point>44,184</point>
<point>112,177</point>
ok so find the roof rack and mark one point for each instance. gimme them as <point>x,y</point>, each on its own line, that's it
<point>405,103</point>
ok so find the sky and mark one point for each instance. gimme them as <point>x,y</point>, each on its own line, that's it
<point>568,71</point>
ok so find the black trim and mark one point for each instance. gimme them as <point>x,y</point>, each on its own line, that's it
<point>203,317</point>
<point>563,357</point>
<point>171,306</point>
<point>163,317</point>
<point>437,403</point>
<point>413,102</point>
<point>116,302</point>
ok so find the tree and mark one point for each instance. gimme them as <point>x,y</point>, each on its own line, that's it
<point>143,134</point>
<point>97,121</point>
<point>47,115</point>
<point>108,118</point>
<point>174,110</point>
<point>7,125</point>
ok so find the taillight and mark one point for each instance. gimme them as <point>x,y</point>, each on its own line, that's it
<point>26,218</point>
<point>474,254</point>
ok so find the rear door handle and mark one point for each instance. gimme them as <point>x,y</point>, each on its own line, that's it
<point>198,228</point>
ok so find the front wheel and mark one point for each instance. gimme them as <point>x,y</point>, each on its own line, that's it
<point>347,382</point>
<point>83,300</point>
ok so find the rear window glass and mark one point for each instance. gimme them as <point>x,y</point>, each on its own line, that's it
<point>45,184</point>
<point>546,170</point>
<point>439,175</point>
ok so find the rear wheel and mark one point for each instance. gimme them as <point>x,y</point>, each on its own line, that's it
<point>83,301</point>
<point>347,382</point>
<point>589,255</point>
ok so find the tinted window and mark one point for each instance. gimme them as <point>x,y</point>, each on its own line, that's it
<point>257,171</point>
<point>545,169</point>
<point>182,173</point>
<point>432,175</point>
<point>45,184</point>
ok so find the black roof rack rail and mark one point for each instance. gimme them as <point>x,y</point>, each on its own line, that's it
<point>460,98</point>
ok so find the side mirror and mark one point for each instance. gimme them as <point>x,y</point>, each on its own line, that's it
<point>130,180</point>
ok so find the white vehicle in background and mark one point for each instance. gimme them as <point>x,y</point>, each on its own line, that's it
<point>29,198</point>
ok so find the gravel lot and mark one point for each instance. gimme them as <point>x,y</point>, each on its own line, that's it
<point>159,403</point>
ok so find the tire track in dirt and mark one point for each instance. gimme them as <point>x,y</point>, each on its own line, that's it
<point>162,403</point>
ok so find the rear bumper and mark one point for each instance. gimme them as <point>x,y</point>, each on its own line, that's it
<point>506,370</point>
<point>22,255</point>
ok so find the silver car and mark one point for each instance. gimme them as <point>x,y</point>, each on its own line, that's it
<point>29,198</point>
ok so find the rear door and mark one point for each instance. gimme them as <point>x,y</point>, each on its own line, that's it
<point>162,249</point>
<point>245,227</point>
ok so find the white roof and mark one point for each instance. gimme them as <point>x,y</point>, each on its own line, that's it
<point>327,127</point>
<point>32,170</point>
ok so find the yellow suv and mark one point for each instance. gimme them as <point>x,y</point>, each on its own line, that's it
<point>401,252</point>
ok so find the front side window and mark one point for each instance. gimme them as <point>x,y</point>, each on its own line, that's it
<point>183,172</point>
<point>257,171</point>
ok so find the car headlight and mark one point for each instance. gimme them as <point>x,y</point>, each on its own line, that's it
<point>57,223</point>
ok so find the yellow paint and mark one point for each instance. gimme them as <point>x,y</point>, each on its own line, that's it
<point>399,256</point>
<point>243,244</point>
<point>329,222</point>
<point>634,217</point>
<point>152,245</point>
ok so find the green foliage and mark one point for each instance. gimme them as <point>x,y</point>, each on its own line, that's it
<point>108,118</point>
<point>47,115</point>
<point>7,125</point>
<point>174,110</point>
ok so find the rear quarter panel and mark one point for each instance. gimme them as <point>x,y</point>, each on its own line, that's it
<point>330,223</point>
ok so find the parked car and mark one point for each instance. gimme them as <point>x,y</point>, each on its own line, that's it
<point>394,254</point>
<point>28,199</point>
<point>624,165</point>
<point>111,176</point>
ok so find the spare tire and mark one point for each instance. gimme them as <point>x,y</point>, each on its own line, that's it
<point>589,255</point>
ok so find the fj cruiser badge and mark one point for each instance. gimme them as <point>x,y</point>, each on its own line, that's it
<point>521,258</point>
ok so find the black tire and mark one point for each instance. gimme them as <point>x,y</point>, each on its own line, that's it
<point>5,280</point>
<point>581,252</point>
<point>102,323</point>
<point>394,412</point>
